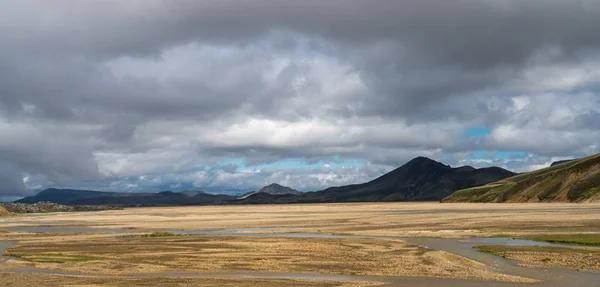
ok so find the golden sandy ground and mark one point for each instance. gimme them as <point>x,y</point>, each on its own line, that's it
<point>115,254</point>
<point>28,280</point>
<point>584,261</point>
<point>400,219</point>
<point>137,255</point>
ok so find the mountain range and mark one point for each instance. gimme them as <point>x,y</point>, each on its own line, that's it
<point>88,197</point>
<point>567,181</point>
<point>421,179</point>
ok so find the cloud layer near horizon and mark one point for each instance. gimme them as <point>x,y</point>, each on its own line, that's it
<point>223,95</point>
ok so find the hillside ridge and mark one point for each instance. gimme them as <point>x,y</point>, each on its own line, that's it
<point>569,181</point>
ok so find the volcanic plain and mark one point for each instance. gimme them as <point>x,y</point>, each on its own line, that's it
<point>362,244</point>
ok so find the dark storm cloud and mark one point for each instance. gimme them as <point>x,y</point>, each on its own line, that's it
<point>120,89</point>
<point>474,33</point>
<point>411,53</point>
<point>12,181</point>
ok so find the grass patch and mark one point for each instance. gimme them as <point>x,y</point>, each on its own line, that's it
<point>585,188</point>
<point>497,250</point>
<point>502,250</point>
<point>161,234</point>
<point>576,239</point>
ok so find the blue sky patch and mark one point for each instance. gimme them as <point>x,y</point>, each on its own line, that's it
<point>477,132</point>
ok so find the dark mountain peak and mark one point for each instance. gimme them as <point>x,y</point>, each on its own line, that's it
<point>272,189</point>
<point>192,193</point>
<point>421,159</point>
<point>424,160</point>
<point>422,163</point>
<point>497,169</point>
<point>464,168</point>
<point>274,185</point>
<point>275,188</point>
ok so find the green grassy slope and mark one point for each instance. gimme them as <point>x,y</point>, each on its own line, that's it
<point>573,181</point>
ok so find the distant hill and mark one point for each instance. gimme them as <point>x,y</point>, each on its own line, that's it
<point>88,197</point>
<point>421,179</point>
<point>64,196</point>
<point>192,193</point>
<point>273,189</point>
<point>572,181</point>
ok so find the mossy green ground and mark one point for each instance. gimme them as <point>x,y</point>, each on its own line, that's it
<point>161,234</point>
<point>578,239</point>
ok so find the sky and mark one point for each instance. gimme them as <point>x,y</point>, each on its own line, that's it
<point>229,96</point>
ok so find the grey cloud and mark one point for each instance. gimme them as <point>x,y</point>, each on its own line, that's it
<point>465,32</point>
<point>431,50</point>
<point>12,181</point>
<point>26,150</point>
<point>117,90</point>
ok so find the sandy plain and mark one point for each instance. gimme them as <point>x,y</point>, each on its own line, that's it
<point>110,259</point>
